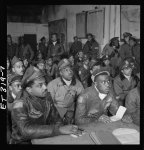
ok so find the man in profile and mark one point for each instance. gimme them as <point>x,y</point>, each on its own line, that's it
<point>33,113</point>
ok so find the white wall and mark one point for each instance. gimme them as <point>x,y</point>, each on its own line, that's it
<point>19,29</point>
<point>112,19</point>
<point>130,19</point>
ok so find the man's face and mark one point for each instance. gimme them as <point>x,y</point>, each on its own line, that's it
<point>103,83</point>
<point>39,56</point>
<point>132,43</point>
<point>44,41</point>
<point>9,40</point>
<point>15,87</point>
<point>95,67</point>
<point>8,64</point>
<point>54,38</point>
<point>86,62</point>
<point>18,68</point>
<point>116,43</point>
<point>106,62</point>
<point>49,62</point>
<point>127,39</point>
<point>67,73</point>
<point>89,38</point>
<point>40,66</point>
<point>39,88</point>
<point>75,39</point>
<point>25,63</point>
<point>127,71</point>
<point>71,59</point>
<point>80,54</point>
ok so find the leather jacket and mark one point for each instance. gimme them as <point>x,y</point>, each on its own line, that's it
<point>34,117</point>
<point>90,107</point>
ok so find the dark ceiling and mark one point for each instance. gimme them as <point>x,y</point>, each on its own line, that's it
<point>24,10</point>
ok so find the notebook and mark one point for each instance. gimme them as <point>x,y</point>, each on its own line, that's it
<point>119,114</point>
<point>127,136</point>
<point>104,137</point>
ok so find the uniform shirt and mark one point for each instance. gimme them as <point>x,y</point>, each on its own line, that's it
<point>63,95</point>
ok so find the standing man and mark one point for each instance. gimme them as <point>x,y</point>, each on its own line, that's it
<point>75,47</point>
<point>125,49</point>
<point>13,90</point>
<point>25,50</point>
<point>12,48</point>
<point>64,91</point>
<point>55,48</point>
<point>135,48</point>
<point>34,114</point>
<point>43,48</point>
<point>95,101</point>
<point>91,47</point>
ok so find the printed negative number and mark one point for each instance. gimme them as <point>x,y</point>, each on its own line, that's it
<point>1,68</point>
<point>2,79</point>
<point>2,98</point>
<point>2,89</point>
<point>2,106</point>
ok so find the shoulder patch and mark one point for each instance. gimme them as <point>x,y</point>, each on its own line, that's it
<point>18,105</point>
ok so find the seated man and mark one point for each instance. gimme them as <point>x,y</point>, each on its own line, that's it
<point>125,81</point>
<point>96,100</point>
<point>17,67</point>
<point>132,104</point>
<point>51,68</point>
<point>34,114</point>
<point>64,90</point>
<point>13,90</point>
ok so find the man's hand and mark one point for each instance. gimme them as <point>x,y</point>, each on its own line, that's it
<point>69,129</point>
<point>127,119</point>
<point>104,119</point>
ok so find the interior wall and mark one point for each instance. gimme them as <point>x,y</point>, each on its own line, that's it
<point>56,12</point>
<point>130,19</point>
<point>19,29</point>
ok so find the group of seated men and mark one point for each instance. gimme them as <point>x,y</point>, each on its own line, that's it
<point>54,95</point>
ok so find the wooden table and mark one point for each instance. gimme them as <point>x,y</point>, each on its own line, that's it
<point>85,139</point>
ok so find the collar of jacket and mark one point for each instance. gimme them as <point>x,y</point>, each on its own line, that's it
<point>122,77</point>
<point>72,83</point>
<point>58,42</point>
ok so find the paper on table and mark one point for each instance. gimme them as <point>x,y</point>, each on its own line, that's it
<point>119,114</point>
<point>127,136</point>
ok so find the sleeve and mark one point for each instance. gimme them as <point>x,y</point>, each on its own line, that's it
<point>31,52</point>
<point>80,88</point>
<point>55,116</point>
<point>85,48</point>
<point>81,116</point>
<point>132,107</point>
<point>29,129</point>
<point>122,52</point>
<point>113,106</point>
<point>118,89</point>
<point>61,49</point>
<point>50,88</point>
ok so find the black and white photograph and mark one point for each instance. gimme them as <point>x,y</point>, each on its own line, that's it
<point>73,75</point>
